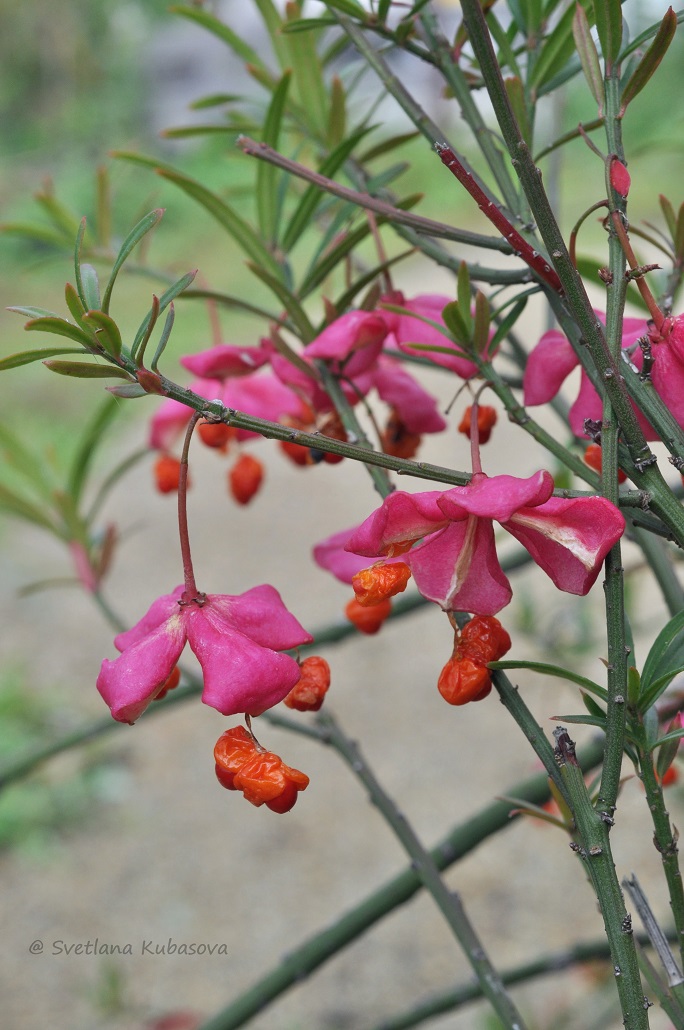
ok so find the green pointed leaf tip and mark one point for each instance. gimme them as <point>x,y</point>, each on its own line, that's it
<point>456,324</point>
<point>27,356</point>
<point>59,326</point>
<point>608,15</point>
<point>651,59</point>
<point>588,54</point>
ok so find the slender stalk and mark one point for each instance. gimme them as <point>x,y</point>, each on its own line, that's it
<point>664,839</point>
<point>616,679</point>
<point>593,848</point>
<point>448,902</point>
<point>419,224</point>
<point>456,997</point>
<point>191,592</point>
<point>314,952</point>
<point>352,425</point>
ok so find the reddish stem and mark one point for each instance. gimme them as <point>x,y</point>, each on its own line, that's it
<point>191,591</point>
<point>656,314</point>
<point>475,438</point>
<point>536,261</point>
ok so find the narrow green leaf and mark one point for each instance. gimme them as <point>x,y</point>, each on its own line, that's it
<point>457,325</point>
<point>388,144</point>
<point>77,262</point>
<point>581,720</point>
<point>464,296</point>
<point>228,129</point>
<point>238,228</point>
<point>60,327</point>
<point>129,391</point>
<point>267,175</point>
<point>667,737</point>
<point>74,304</point>
<point>666,756</point>
<point>31,312</point>
<point>164,338</point>
<point>507,323</point>
<point>338,112</point>
<point>35,233</point>
<point>91,438</point>
<point>482,322</point>
<point>608,15</point>
<point>588,54</point>
<point>556,51</point>
<point>592,706</point>
<point>229,301</point>
<point>309,86</point>
<point>313,195</point>
<point>306,25</point>
<point>214,100</point>
<point>91,288</point>
<point>274,24</point>
<point>104,208</point>
<point>106,331</point>
<point>85,370</point>
<point>350,7</point>
<point>132,240</point>
<point>27,356</point>
<point>173,291</point>
<point>554,670</point>
<point>648,64</point>
<point>657,688</point>
<point>18,456</point>
<point>288,300</point>
<point>383,10</point>
<point>13,504</point>
<point>679,233</point>
<point>64,220</point>
<point>516,97</point>
<point>666,653</point>
<point>220,30</point>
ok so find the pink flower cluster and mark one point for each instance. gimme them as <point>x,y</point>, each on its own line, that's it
<point>553,359</point>
<point>447,539</point>
<point>358,345</point>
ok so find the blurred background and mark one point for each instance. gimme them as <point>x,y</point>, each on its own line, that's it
<point>130,839</point>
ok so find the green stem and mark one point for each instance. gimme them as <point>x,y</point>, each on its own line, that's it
<point>456,997</point>
<point>646,475</point>
<point>395,215</point>
<point>448,902</point>
<point>593,848</point>
<point>616,678</point>
<point>300,962</point>
<point>379,476</point>
<point>661,564</point>
<point>442,53</point>
<point>664,840</point>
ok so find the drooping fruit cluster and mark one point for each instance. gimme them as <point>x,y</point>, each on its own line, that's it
<point>379,582</point>
<point>264,779</point>
<point>308,693</point>
<point>465,677</point>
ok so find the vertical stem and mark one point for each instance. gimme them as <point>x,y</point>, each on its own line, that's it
<point>191,591</point>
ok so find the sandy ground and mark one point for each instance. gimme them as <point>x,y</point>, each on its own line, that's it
<point>166,854</point>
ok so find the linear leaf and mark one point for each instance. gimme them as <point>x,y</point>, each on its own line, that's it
<point>557,49</point>
<point>60,327</point>
<point>31,312</point>
<point>18,456</point>
<point>288,300</point>
<point>134,237</point>
<point>229,301</point>
<point>86,370</point>
<point>164,301</point>
<point>554,670</point>
<point>267,175</point>
<point>309,86</point>
<point>90,440</point>
<point>27,356</point>
<point>14,504</point>
<point>91,288</point>
<point>36,233</point>
<point>75,304</point>
<point>220,30</point>
<point>313,195</point>
<point>651,59</point>
<point>588,54</point>
<point>238,228</point>
<point>608,14</point>
<point>106,331</point>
